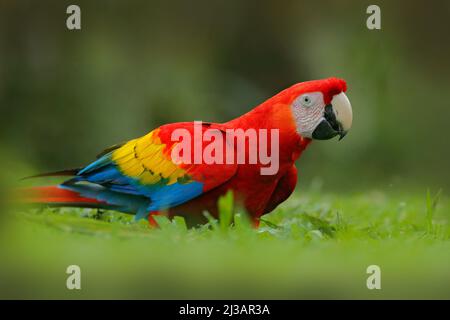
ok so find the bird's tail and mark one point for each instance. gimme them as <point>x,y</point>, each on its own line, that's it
<point>85,195</point>
<point>57,196</point>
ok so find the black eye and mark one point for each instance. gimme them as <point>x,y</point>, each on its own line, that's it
<point>306,101</point>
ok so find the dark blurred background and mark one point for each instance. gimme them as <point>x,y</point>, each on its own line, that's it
<point>134,65</point>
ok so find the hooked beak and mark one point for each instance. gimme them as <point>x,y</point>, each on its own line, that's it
<point>337,119</point>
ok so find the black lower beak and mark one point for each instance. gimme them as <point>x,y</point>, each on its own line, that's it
<point>329,127</point>
<point>324,131</point>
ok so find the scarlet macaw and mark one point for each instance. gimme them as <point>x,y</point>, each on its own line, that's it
<point>142,178</point>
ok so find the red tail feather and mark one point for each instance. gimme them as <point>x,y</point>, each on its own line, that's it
<point>56,195</point>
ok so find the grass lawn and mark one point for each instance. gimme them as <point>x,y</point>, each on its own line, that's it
<point>313,246</point>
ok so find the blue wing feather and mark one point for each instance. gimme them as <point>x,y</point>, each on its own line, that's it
<point>113,187</point>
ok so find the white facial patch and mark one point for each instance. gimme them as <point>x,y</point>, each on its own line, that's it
<point>308,112</point>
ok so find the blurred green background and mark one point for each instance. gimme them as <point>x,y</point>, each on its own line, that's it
<point>135,65</point>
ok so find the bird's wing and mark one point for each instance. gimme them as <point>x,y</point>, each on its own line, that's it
<point>144,167</point>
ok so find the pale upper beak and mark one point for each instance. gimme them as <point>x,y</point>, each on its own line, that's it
<point>337,119</point>
<point>343,111</point>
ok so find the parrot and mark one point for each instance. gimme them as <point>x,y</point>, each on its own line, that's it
<point>142,177</point>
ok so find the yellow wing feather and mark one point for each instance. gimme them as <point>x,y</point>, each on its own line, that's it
<point>144,159</point>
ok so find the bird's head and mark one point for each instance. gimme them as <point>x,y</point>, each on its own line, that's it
<point>321,109</point>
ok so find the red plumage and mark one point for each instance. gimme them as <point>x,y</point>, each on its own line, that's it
<point>55,195</point>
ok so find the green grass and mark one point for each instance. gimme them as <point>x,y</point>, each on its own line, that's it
<point>313,246</point>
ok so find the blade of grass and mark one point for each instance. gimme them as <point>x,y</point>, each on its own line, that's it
<point>226,208</point>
